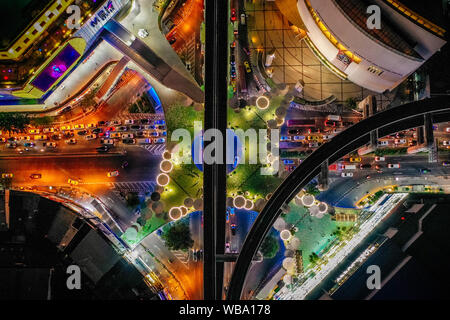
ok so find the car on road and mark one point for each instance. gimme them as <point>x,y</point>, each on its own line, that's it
<point>365,166</point>
<point>393,165</point>
<point>115,135</point>
<point>149,127</point>
<point>11,145</point>
<point>56,136</point>
<point>66,128</point>
<point>91,125</point>
<point>97,130</point>
<point>36,176</point>
<point>110,129</point>
<point>129,141</point>
<point>29,144</point>
<point>383,143</point>
<point>233,228</point>
<point>135,127</point>
<point>355,159</point>
<point>247,67</point>
<point>82,132</point>
<point>102,149</point>
<point>113,174</point>
<point>129,121</point>
<point>101,123</point>
<point>25,138</point>
<point>115,123</point>
<point>49,144</point>
<point>7,175</point>
<point>313,145</point>
<point>40,138</point>
<point>446,163</point>
<point>124,164</point>
<point>71,141</point>
<point>159,122</point>
<point>73,182</point>
<point>91,137</point>
<point>233,16</point>
<point>172,40</point>
<point>144,121</point>
<point>49,130</point>
<point>285,138</point>
<point>144,141</point>
<point>127,136</point>
<point>34,131</point>
<point>446,143</point>
<point>107,141</point>
<point>288,161</point>
<point>122,128</point>
<point>400,141</point>
<point>378,159</point>
<point>299,138</point>
<point>78,127</point>
<point>346,174</point>
<point>424,170</point>
<point>159,140</point>
<point>2,140</point>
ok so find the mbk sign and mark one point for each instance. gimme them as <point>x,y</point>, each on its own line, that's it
<point>101,16</point>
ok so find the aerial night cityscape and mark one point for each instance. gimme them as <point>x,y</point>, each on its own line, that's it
<point>237,151</point>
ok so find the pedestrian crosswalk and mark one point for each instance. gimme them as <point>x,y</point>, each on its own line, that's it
<point>182,256</point>
<point>137,116</point>
<point>156,149</point>
<point>135,186</point>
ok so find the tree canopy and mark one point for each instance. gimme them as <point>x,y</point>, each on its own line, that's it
<point>270,246</point>
<point>13,122</point>
<point>178,237</point>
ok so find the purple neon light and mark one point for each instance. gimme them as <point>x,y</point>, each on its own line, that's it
<point>56,68</point>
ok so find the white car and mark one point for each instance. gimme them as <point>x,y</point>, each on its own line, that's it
<point>447,129</point>
<point>127,136</point>
<point>446,143</point>
<point>91,136</point>
<point>383,143</point>
<point>71,141</point>
<point>142,33</point>
<point>129,121</point>
<point>393,165</point>
<point>50,144</point>
<point>400,141</point>
<point>346,174</point>
<point>379,159</point>
<point>107,141</point>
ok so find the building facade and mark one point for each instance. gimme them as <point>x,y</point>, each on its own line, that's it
<point>376,59</point>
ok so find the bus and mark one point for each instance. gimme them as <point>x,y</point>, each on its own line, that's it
<point>242,80</point>
<point>301,123</point>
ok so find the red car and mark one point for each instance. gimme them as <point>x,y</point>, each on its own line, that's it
<point>110,129</point>
<point>233,16</point>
